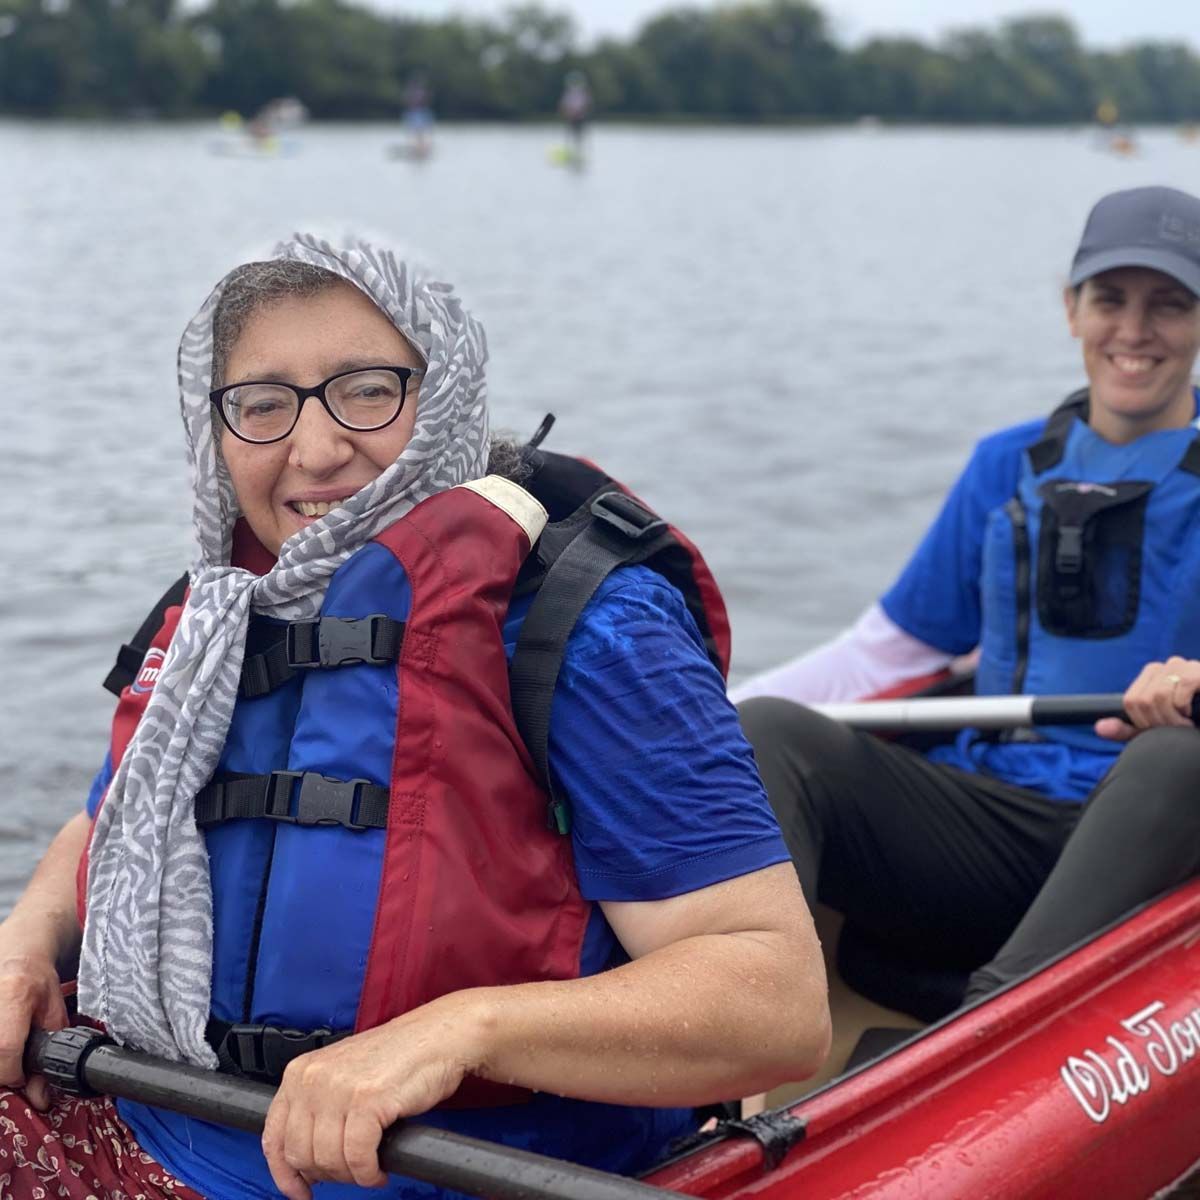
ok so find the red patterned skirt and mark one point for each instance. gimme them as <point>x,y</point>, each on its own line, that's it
<point>78,1149</point>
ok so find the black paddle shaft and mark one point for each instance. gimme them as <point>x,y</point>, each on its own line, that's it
<point>83,1061</point>
<point>1082,710</point>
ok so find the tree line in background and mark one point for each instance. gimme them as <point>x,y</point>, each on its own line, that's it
<point>771,60</point>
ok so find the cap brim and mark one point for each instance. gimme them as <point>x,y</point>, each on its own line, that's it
<point>1181,269</point>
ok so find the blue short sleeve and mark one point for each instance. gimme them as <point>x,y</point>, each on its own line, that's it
<point>937,599</point>
<point>665,796</point>
<point>99,786</point>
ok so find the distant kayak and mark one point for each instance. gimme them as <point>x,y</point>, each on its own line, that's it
<point>410,151</point>
<point>243,146</point>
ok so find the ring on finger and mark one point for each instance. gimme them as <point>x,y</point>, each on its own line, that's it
<point>1174,680</point>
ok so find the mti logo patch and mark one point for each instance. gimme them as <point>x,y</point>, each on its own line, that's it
<point>147,675</point>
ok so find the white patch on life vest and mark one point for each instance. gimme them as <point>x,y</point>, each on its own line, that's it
<point>147,675</point>
<point>514,500</point>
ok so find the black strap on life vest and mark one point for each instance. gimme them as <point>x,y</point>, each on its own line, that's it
<point>262,1052</point>
<point>1048,451</point>
<point>294,797</point>
<point>1190,462</point>
<point>324,643</point>
<point>130,656</point>
<point>611,530</point>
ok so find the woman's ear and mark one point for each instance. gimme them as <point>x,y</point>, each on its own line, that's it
<point>1071,304</point>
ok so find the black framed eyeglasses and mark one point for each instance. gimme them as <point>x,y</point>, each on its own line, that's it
<point>363,400</point>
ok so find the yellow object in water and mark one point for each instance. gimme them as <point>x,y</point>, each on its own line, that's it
<point>565,156</point>
<point>231,120</point>
<point>1106,112</point>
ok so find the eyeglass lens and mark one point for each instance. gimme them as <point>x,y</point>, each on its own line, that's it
<point>261,412</point>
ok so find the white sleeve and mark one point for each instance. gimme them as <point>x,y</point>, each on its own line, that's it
<point>872,655</point>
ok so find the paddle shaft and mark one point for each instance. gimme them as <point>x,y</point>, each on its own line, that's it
<point>979,712</point>
<point>436,1156</point>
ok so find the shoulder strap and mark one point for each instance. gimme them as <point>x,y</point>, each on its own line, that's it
<point>1191,457</point>
<point>129,657</point>
<point>1048,452</point>
<point>619,529</point>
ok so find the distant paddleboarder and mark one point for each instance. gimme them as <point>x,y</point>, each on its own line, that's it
<point>575,108</point>
<point>418,116</point>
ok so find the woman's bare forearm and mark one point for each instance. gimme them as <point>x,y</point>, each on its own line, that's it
<point>725,996</point>
<point>44,918</point>
<point>709,1018</point>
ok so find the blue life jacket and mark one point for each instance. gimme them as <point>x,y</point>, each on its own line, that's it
<point>1093,568</point>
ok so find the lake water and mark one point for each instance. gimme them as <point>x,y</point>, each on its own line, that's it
<point>787,340</point>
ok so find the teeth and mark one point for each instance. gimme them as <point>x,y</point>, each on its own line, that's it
<point>1128,364</point>
<point>317,508</point>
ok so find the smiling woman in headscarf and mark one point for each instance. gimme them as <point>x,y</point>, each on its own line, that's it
<point>318,852</point>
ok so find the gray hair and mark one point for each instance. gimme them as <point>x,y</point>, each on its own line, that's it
<point>253,286</point>
<point>509,457</point>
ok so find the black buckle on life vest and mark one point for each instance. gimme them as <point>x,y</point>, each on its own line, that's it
<point>263,1052</point>
<point>355,804</point>
<point>1068,553</point>
<point>343,641</point>
<point>629,517</point>
<point>322,800</point>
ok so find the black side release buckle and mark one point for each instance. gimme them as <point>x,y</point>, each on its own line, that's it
<point>322,800</point>
<point>355,804</point>
<point>629,517</point>
<point>263,1052</point>
<point>343,641</point>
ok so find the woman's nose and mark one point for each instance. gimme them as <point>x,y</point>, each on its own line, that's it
<point>317,443</point>
<point>1134,323</point>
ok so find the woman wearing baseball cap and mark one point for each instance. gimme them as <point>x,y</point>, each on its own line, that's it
<point>1068,553</point>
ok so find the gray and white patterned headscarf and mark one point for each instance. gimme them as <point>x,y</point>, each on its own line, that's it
<point>146,963</point>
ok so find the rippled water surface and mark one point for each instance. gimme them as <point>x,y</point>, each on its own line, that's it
<point>787,340</point>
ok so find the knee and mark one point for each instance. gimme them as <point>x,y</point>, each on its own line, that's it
<point>767,721</point>
<point>1165,755</point>
<point>782,731</point>
<point>802,755</point>
<point>1156,781</point>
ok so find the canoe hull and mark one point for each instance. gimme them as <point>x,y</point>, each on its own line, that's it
<point>1082,1081</point>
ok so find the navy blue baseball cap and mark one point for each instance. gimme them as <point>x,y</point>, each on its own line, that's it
<point>1156,227</point>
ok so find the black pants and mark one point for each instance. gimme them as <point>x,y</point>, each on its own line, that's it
<point>995,877</point>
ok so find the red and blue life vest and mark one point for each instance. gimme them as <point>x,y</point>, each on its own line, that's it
<point>377,827</point>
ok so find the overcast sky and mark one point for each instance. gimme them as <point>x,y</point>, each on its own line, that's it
<point>1101,22</point>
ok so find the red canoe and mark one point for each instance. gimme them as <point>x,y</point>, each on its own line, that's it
<point>1082,1081</point>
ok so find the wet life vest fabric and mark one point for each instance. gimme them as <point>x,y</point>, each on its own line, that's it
<point>1085,561</point>
<point>665,800</point>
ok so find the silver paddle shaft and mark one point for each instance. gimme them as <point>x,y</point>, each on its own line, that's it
<point>973,712</point>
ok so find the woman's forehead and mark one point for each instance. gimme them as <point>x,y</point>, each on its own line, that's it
<point>1142,279</point>
<point>338,323</point>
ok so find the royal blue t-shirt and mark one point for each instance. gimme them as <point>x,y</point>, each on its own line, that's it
<point>665,799</point>
<point>938,600</point>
